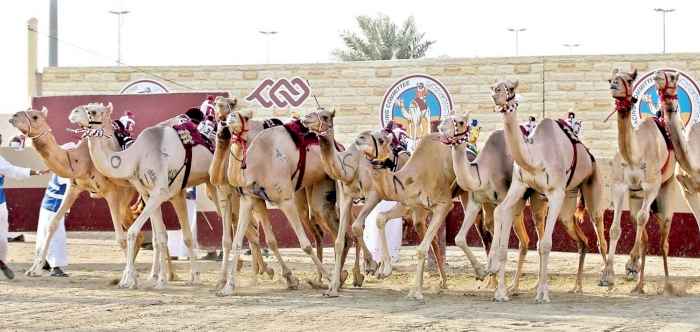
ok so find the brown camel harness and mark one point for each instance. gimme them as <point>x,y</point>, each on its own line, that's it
<point>625,104</point>
<point>301,136</point>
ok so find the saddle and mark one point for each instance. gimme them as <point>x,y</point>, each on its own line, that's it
<point>661,124</point>
<point>189,137</point>
<point>574,140</point>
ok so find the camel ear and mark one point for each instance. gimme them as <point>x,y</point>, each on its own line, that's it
<point>389,137</point>
<point>452,112</point>
<point>515,84</point>
<point>44,111</point>
<point>634,74</point>
<point>495,80</point>
<point>675,76</point>
<point>333,113</point>
<point>109,108</point>
<point>234,102</point>
<point>247,112</point>
<point>614,71</point>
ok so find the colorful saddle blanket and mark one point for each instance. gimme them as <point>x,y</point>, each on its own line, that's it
<point>190,136</point>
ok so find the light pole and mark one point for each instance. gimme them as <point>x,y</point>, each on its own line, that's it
<point>571,47</point>
<point>121,14</point>
<point>664,11</point>
<point>516,38</point>
<point>268,33</point>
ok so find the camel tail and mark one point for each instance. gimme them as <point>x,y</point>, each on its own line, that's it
<point>137,208</point>
<point>580,206</point>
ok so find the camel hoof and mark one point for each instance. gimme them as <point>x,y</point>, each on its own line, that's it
<point>316,285</point>
<point>513,288</point>
<point>637,290</point>
<point>577,289</point>
<point>194,281</point>
<point>292,281</point>
<point>270,272</point>
<point>152,281</point>
<point>219,286</point>
<point>172,276</point>
<point>343,277</point>
<point>500,296</point>
<point>31,273</point>
<point>358,280</point>
<point>227,290</point>
<point>160,285</point>
<point>632,274</point>
<point>414,294</point>
<point>330,294</point>
<point>371,266</point>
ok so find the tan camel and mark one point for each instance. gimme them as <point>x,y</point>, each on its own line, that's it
<point>549,162</point>
<point>76,165</point>
<point>157,166</point>
<point>487,178</point>
<point>414,116</point>
<point>643,166</point>
<point>688,169</point>
<point>425,184</point>
<point>316,215</point>
<point>351,170</point>
<point>272,168</point>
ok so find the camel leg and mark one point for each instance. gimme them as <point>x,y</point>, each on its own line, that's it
<point>371,201</point>
<point>633,267</point>
<point>420,217</point>
<point>160,248</point>
<point>665,208</point>
<point>262,215</point>
<point>439,214</point>
<point>595,205</point>
<point>556,201</point>
<point>471,210</point>
<point>290,211</point>
<point>398,210</point>
<point>227,207</point>
<point>244,215</point>
<point>486,234</point>
<point>574,230</point>
<point>126,195</point>
<point>323,202</point>
<point>72,193</point>
<point>301,200</point>
<point>503,219</point>
<point>345,203</point>
<point>619,190</point>
<point>524,239</point>
<point>693,200</point>
<point>180,205</point>
<point>538,208</point>
<point>130,278</point>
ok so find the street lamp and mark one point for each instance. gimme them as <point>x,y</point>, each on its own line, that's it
<point>664,11</point>
<point>121,14</point>
<point>516,38</point>
<point>571,47</point>
<point>268,33</point>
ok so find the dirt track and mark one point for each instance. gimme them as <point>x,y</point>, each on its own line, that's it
<point>87,300</point>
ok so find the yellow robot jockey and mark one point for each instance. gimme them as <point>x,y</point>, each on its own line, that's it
<point>474,132</point>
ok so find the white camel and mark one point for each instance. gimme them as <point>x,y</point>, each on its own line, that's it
<point>414,116</point>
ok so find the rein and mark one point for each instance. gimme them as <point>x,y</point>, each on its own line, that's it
<point>29,132</point>
<point>454,140</point>
<point>505,108</point>
<point>320,125</point>
<point>624,103</point>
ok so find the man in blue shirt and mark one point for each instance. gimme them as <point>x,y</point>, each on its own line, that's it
<point>17,173</point>
<point>57,253</point>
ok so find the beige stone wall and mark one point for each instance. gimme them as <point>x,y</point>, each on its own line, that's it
<point>550,85</point>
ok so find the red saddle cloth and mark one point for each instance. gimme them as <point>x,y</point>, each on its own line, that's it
<point>190,136</point>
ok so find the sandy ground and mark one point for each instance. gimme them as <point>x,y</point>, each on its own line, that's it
<point>87,300</point>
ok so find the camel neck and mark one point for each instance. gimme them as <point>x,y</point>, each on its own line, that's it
<point>218,167</point>
<point>61,161</point>
<point>113,164</point>
<point>625,137</point>
<point>674,123</point>
<point>235,164</point>
<point>516,142</point>
<point>464,170</point>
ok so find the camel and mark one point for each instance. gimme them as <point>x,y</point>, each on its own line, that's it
<point>643,166</point>
<point>487,178</point>
<point>273,168</point>
<point>425,184</point>
<point>352,172</point>
<point>552,163</point>
<point>687,169</point>
<point>158,178</point>
<point>76,164</point>
<point>414,116</point>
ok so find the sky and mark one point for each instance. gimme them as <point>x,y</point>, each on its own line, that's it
<point>220,32</point>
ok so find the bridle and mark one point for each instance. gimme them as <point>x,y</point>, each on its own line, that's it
<point>454,140</point>
<point>320,125</point>
<point>506,108</point>
<point>663,95</point>
<point>623,103</point>
<point>238,138</point>
<point>382,162</point>
<point>29,132</point>
<point>88,131</point>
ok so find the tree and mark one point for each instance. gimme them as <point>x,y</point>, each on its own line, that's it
<point>383,40</point>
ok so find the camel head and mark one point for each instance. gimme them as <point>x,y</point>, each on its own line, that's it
<point>504,95</point>
<point>239,121</point>
<point>400,103</point>
<point>666,83</point>
<point>31,122</point>
<point>92,115</point>
<point>621,84</point>
<point>376,146</point>
<point>224,107</point>
<point>319,121</point>
<point>454,129</point>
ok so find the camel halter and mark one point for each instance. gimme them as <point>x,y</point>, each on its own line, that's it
<point>623,103</point>
<point>505,108</point>
<point>327,131</point>
<point>29,132</point>
<point>382,162</point>
<point>454,140</point>
<point>663,96</point>
<point>237,138</point>
<point>88,131</point>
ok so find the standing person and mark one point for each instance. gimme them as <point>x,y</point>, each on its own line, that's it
<point>572,122</point>
<point>176,245</point>
<point>16,141</point>
<point>530,124</point>
<point>57,254</point>
<point>17,173</point>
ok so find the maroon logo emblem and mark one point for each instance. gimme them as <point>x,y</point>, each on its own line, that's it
<point>282,93</point>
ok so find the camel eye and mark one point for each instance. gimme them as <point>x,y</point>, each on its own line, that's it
<point>325,117</point>
<point>609,81</point>
<point>381,141</point>
<point>35,117</point>
<point>245,118</point>
<point>461,123</point>
<point>629,81</point>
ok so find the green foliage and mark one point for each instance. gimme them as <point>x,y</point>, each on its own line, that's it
<point>381,39</point>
